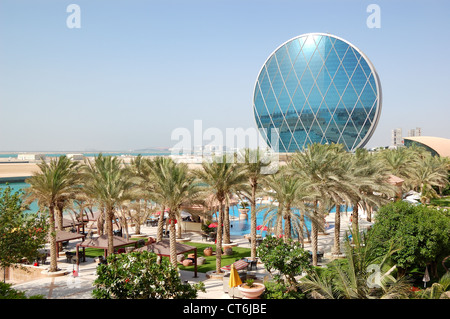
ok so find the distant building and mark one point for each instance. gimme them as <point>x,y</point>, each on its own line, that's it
<point>396,137</point>
<point>436,145</point>
<point>76,157</point>
<point>415,132</point>
<point>31,157</point>
<point>317,88</point>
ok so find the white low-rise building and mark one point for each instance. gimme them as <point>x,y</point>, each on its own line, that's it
<point>31,157</point>
<point>76,157</point>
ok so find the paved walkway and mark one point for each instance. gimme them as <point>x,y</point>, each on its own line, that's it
<point>80,287</point>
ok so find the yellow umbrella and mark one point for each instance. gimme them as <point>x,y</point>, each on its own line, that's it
<point>235,280</point>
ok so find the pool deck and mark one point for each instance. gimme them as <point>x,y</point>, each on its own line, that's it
<point>80,287</point>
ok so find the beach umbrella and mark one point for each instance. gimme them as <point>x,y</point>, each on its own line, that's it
<point>262,228</point>
<point>159,213</point>
<point>174,221</point>
<point>426,277</point>
<point>235,280</point>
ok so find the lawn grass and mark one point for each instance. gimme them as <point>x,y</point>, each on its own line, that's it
<point>210,261</point>
<point>95,252</point>
<point>443,202</point>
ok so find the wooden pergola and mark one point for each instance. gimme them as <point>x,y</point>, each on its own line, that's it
<point>72,223</point>
<point>62,236</point>
<point>101,242</point>
<point>396,181</point>
<point>162,248</point>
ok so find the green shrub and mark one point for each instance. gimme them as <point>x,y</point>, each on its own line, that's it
<point>137,275</point>
<point>422,232</point>
<point>278,290</point>
<point>286,259</point>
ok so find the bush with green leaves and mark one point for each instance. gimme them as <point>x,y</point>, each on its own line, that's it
<point>138,275</point>
<point>278,290</point>
<point>22,233</point>
<point>422,232</point>
<point>284,260</point>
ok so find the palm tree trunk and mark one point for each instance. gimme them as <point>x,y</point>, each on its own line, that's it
<point>287,224</point>
<point>125,225</point>
<point>100,222</point>
<point>279,229</point>
<point>369,214</point>
<point>337,230</point>
<point>253,219</point>
<point>172,239</point>
<point>219,238</point>
<point>179,225</point>
<point>301,234</point>
<point>59,221</point>
<point>159,234</point>
<point>109,230</point>
<point>52,233</point>
<point>314,231</point>
<point>355,219</point>
<point>226,223</point>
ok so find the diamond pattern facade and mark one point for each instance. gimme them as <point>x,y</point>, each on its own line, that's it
<point>317,88</point>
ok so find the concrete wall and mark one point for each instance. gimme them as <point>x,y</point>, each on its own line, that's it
<point>191,226</point>
<point>27,273</point>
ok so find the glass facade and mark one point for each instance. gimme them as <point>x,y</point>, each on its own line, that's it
<point>317,88</point>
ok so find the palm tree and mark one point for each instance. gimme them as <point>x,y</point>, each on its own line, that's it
<point>54,182</point>
<point>287,190</point>
<point>429,172</point>
<point>174,185</point>
<point>255,162</point>
<point>362,275</point>
<point>220,177</point>
<point>398,162</point>
<point>106,181</point>
<point>370,181</point>
<point>324,180</point>
<point>153,174</point>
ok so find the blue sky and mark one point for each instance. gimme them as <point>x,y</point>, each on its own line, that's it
<point>137,70</point>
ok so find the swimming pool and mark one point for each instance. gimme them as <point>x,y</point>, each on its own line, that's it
<point>240,227</point>
<point>16,186</point>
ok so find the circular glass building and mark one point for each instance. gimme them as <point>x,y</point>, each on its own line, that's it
<point>317,88</point>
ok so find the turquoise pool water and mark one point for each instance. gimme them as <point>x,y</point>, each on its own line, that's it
<point>16,186</point>
<point>242,227</point>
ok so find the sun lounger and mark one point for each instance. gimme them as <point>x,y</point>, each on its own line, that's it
<point>239,265</point>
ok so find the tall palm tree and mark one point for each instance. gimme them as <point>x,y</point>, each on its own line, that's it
<point>370,181</point>
<point>106,181</point>
<point>153,174</point>
<point>255,161</point>
<point>174,186</point>
<point>324,180</point>
<point>219,178</point>
<point>287,190</point>
<point>55,181</point>
<point>429,172</point>
<point>398,162</point>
